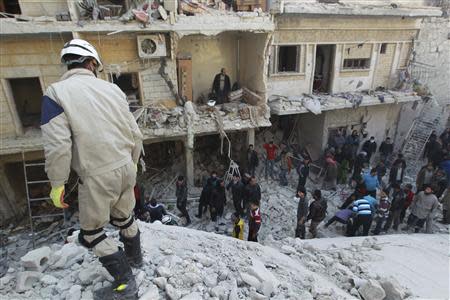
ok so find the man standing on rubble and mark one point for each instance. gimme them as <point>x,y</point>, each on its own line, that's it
<point>87,125</point>
<point>182,194</point>
<point>221,86</point>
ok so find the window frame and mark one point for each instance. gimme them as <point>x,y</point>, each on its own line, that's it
<point>358,64</point>
<point>275,61</point>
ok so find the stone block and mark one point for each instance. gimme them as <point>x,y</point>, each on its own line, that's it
<point>371,290</point>
<point>37,259</point>
<point>26,280</point>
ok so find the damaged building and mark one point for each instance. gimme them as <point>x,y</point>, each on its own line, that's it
<point>329,64</point>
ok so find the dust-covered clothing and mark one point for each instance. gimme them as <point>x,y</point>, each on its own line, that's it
<point>87,125</point>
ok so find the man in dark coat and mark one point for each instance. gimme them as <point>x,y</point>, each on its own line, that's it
<point>397,205</point>
<point>386,149</point>
<point>237,190</point>
<point>370,147</point>
<point>303,173</point>
<point>221,86</point>
<point>182,194</point>
<point>253,192</point>
<point>252,160</point>
<point>205,195</point>
<point>317,212</point>
<point>217,200</point>
<point>302,212</point>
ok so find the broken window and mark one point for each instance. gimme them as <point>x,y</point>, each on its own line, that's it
<point>288,59</point>
<point>10,7</point>
<point>357,63</point>
<point>27,94</point>
<point>383,48</point>
<point>129,84</point>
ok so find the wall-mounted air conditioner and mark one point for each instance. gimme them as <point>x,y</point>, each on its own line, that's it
<point>152,46</point>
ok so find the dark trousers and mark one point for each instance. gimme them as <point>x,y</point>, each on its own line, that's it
<point>202,207</point>
<point>379,224</point>
<point>181,205</point>
<point>301,182</point>
<point>252,236</point>
<point>335,219</point>
<point>300,231</point>
<point>372,193</point>
<point>362,220</point>
<point>283,177</point>
<point>238,206</point>
<point>394,217</point>
<point>403,214</point>
<point>414,221</point>
<point>251,170</point>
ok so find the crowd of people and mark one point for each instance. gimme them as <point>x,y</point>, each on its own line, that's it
<point>379,195</point>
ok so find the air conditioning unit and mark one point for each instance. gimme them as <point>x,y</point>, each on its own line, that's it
<point>152,46</point>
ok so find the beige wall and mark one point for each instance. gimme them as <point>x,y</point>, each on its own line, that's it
<point>209,55</point>
<point>36,8</point>
<point>36,56</point>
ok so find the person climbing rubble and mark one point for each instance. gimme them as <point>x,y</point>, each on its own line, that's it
<point>317,212</point>
<point>87,125</point>
<point>302,212</point>
<point>182,194</point>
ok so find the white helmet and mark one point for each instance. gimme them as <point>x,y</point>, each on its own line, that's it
<point>81,48</point>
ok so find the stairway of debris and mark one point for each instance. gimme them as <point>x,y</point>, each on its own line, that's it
<point>419,133</point>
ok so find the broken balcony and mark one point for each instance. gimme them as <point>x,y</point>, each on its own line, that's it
<point>316,103</point>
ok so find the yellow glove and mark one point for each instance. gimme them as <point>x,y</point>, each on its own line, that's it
<point>57,195</point>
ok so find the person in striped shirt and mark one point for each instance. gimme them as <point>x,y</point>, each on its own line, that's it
<point>363,212</point>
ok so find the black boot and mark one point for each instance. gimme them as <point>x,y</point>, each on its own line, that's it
<point>133,249</point>
<point>124,286</point>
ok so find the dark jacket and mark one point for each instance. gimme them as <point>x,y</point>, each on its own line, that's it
<point>393,175</point>
<point>386,149</point>
<point>218,197</point>
<point>252,193</point>
<point>369,147</point>
<point>398,201</point>
<point>252,158</point>
<point>237,189</point>
<point>226,86</point>
<point>302,209</point>
<point>317,210</point>
<point>181,192</point>
<point>156,212</point>
<point>303,173</point>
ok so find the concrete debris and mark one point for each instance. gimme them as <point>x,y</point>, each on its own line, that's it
<point>393,289</point>
<point>26,280</point>
<point>371,290</point>
<point>36,260</point>
<point>74,293</point>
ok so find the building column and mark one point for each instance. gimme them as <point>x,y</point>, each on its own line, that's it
<point>189,155</point>
<point>251,137</point>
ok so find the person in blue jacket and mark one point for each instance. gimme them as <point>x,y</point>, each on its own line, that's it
<point>371,182</point>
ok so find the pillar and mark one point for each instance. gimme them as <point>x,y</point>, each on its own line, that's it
<point>189,155</point>
<point>251,137</point>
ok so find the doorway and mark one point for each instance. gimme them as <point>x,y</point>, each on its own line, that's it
<point>324,68</point>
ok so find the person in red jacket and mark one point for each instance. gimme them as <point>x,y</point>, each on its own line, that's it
<point>409,197</point>
<point>271,150</point>
<point>254,222</point>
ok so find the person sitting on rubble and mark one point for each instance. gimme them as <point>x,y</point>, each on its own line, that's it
<point>156,210</point>
<point>221,86</point>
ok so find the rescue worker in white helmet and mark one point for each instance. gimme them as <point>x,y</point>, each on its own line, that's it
<point>86,124</point>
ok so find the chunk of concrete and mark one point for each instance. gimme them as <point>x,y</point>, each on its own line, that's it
<point>371,290</point>
<point>268,281</point>
<point>161,282</point>
<point>219,292</point>
<point>67,256</point>
<point>393,289</point>
<point>49,280</point>
<point>26,279</point>
<point>250,280</point>
<point>193,296</point>
<point>37,259</point>
<point>74,293</point>
<point>151,293</point>
<point>172,293</point>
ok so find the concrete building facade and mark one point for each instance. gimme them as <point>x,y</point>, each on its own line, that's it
<point>346,57</point>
